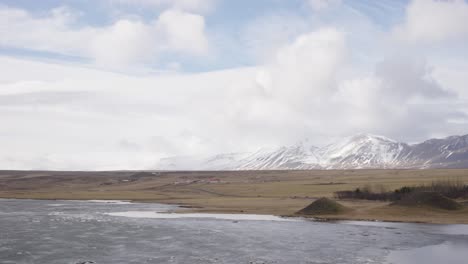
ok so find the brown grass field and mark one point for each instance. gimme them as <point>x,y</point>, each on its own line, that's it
<point>259,192</point>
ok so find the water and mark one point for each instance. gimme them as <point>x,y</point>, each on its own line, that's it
<point>79,231</point>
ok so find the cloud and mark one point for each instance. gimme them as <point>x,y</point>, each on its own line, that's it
<point>405,78</point>
<point>197,6</point>
<point>318,5</point>
<point>314,79</point>
<point>136,43</point>
<point>184,32</point>
<point>91,119</point>
<point>304,70</point>
<point>434,21</point>
<point>19,29</point>
<point>265,35</point>
<point>124,42</point>
<point>161,116</point>
<point>309,82</point>
<point>401,95</point>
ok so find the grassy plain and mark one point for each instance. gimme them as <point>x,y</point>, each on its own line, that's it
<point>260,192</point>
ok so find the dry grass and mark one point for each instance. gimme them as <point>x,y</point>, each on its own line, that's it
<point>263,192</point>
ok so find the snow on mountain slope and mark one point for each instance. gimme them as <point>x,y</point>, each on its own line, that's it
<point>299,156</point>
<point>437,153</point>
<point>363,151</point>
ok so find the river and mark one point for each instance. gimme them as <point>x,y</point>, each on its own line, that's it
<point>62,232</point>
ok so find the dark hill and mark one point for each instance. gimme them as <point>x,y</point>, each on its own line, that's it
<point>323,206</point>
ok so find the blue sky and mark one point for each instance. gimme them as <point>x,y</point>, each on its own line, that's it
<point>120,84</point>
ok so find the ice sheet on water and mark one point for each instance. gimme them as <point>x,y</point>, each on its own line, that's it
<point>110,201</point>
<point>234,217</point>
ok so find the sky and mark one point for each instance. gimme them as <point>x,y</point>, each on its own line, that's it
<point>119,84</point>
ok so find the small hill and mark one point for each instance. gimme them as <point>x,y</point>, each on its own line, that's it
<point>429,199</point>
<point>323,206</point>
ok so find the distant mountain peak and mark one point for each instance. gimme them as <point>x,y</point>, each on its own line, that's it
<point>371,137</point>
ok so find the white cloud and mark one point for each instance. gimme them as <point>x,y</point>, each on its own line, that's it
<point>120,44</point>
<point>322,4</point>
<point>434,21</point>
<point>89,119</point>
<point>304,71</point>
<point>307,80</point>
<point>401,95</point>
<point>197,6</point>
<point>74,111</point>
<point>184,31</point>
<point>312,81</point>
<point>125,42</point>
<point>20,29</point>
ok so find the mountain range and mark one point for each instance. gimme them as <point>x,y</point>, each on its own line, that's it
<point>363,151</point>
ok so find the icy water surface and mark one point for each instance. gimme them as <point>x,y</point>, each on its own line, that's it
<point>120,232</point>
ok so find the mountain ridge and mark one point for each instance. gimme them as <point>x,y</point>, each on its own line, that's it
<point>361,151</point>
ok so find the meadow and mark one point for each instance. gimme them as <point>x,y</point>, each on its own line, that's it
<point>260,192</point>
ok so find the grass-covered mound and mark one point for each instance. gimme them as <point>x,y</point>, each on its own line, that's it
<point>429,199</point>
<point>323,206</point>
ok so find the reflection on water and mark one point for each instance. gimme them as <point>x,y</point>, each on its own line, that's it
<point>58,232</point>
<point>448,252</point>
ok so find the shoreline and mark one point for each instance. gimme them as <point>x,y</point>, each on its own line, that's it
<point>184,208</point>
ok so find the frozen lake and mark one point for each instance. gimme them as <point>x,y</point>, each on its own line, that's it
<point>33,231</point>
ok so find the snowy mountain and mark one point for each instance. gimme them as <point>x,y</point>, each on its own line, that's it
<point>450,152</point>
<point>363,151</point>
<point>298,156</point>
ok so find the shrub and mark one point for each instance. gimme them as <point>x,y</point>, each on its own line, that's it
<point>450,189</point>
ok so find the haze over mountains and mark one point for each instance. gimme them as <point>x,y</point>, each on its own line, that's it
<point>363,151</point>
